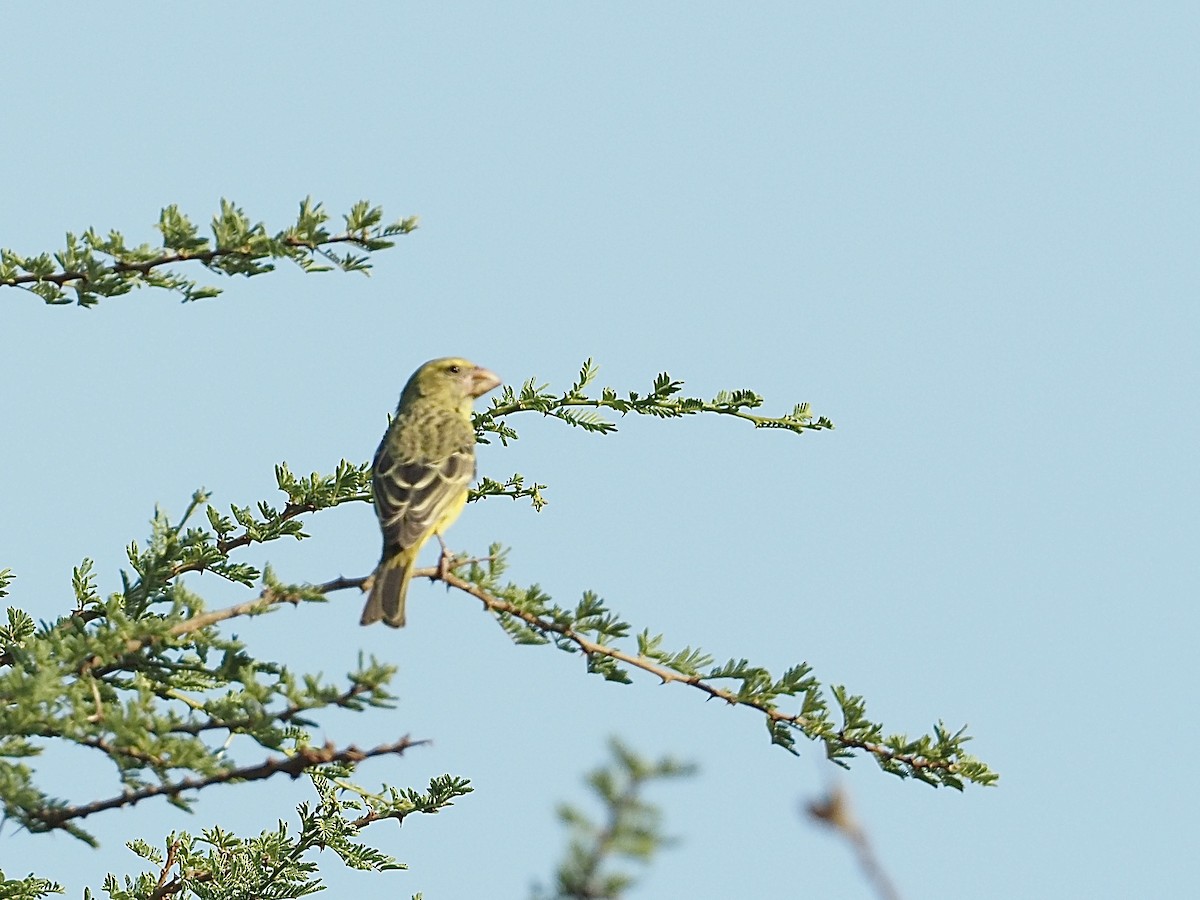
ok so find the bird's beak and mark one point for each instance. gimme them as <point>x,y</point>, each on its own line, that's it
<point>482,381</point>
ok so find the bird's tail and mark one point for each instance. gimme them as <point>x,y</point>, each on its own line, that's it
<point>388,590</point>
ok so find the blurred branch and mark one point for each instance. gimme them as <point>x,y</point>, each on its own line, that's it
<point>631,828</point>
<point>833,811</point>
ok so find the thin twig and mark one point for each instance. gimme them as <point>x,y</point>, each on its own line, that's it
<point>175,885</point>
<point>245,539</point>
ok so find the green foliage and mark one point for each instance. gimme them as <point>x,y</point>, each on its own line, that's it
<point>30,888</point>
<point>530,616</point>
<point>513,487</point>
<point>576,408</point>
<point>93,266</point>
<point>278,863</point>
<point>144,676</point>
<point>631,828</point>
<point>19,629</point>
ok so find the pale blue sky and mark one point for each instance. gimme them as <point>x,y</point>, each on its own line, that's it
<point>966,233</point>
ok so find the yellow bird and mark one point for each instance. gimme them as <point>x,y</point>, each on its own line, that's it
<point>422,471</point>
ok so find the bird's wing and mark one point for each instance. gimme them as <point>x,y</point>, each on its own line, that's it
<point>412,495</point>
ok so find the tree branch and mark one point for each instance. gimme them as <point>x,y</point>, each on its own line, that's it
<point>269,597</point>
<point>205,257</point>
<point>295,765</point>
<point>592,648</point>
<point>95,266</point>
<point>286,715</point>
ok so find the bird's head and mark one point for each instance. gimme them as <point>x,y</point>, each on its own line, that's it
<point>452,381</point>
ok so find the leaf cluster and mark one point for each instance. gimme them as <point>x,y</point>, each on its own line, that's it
<point>94,266</point>
<point>279,863</point>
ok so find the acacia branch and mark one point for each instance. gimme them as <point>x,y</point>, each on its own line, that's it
<point>303,758</point>
<point>245,539</point>
<point>622,406</point>
<point>666,675</point>
<point>834,739</point>
<point>590,648</point>
<point>267,598</point>
<point>166,888</point>
<point>204,257</point>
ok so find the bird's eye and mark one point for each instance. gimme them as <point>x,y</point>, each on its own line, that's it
<point>454,370</point>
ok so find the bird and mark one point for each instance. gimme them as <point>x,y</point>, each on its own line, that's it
<point>421,474</point>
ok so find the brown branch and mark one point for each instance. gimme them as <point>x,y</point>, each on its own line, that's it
<point>264,600</point>
<point>245,539</point>
<point>162,889</point>
<point>175,885</point>
<point>373,816</point>
<point>268,597</point>
<point>303,758</point>
<point>666,675</point>
<point>589,648</point>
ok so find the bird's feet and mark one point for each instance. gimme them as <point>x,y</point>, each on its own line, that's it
<point>445,561</point>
